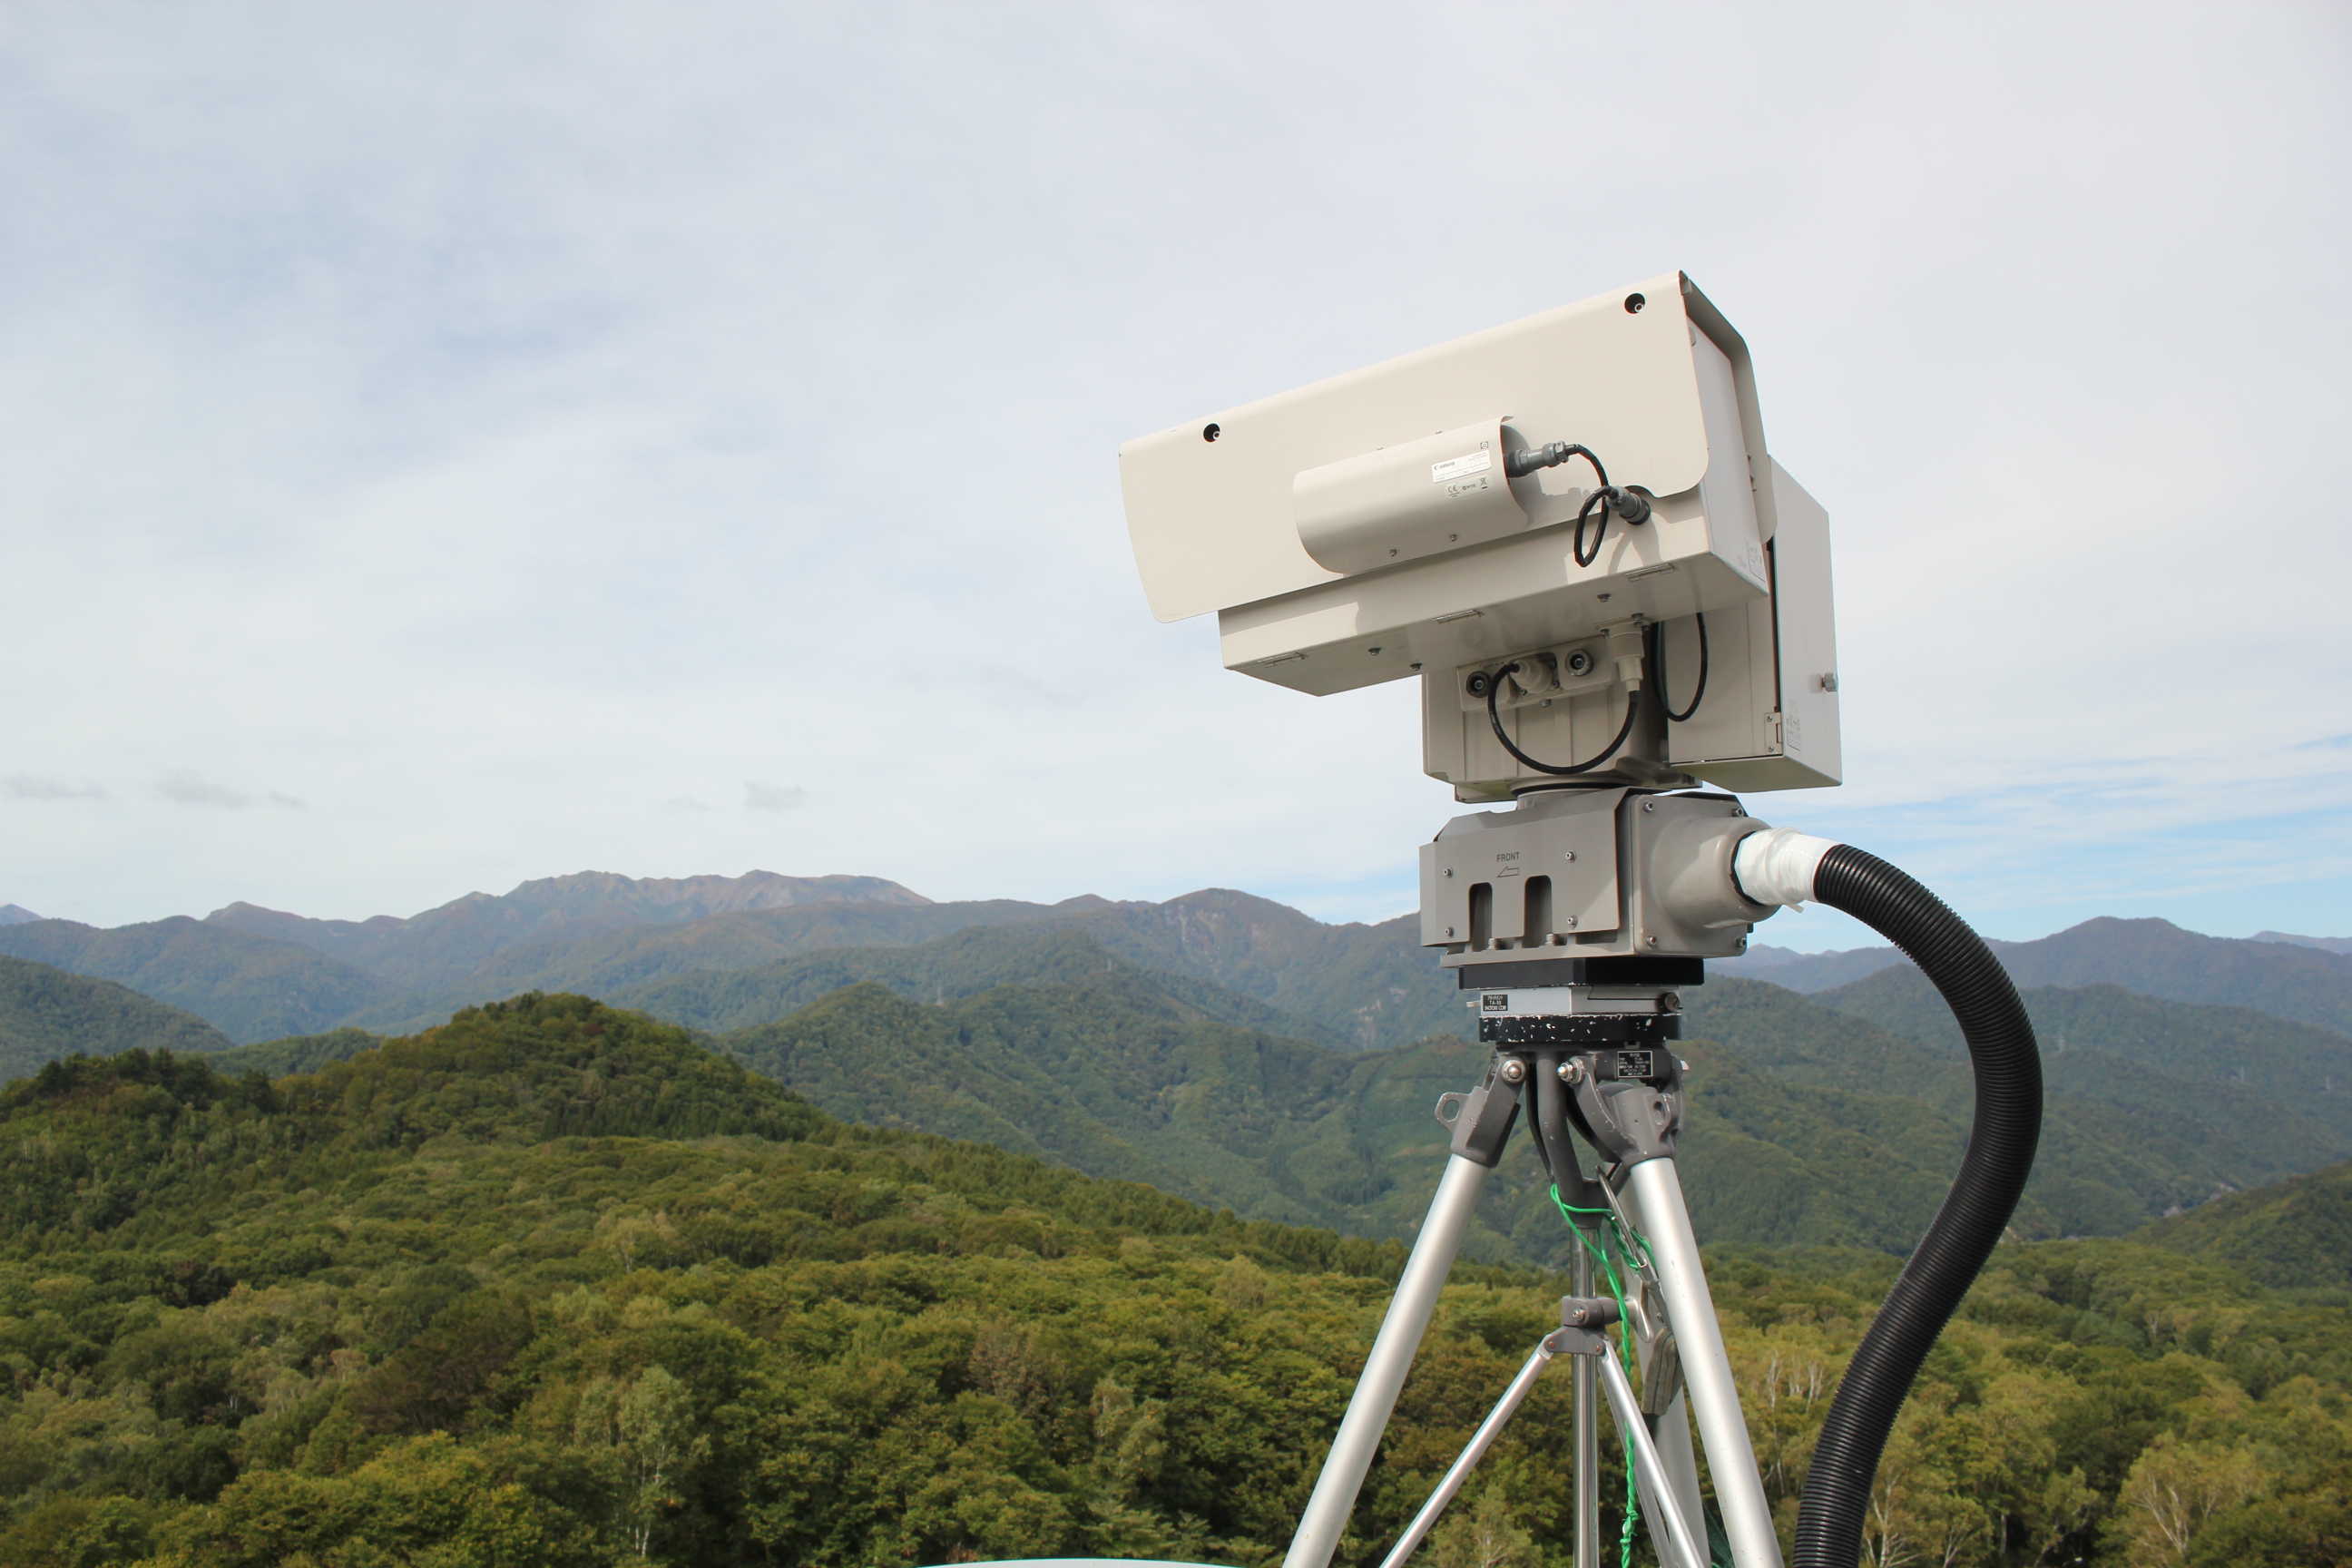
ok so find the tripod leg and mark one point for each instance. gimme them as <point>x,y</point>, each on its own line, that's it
<point>1706,1367</point>
<point>1588,1435</point>
<point>1677,1462</point>
<point>1480,1441</point>
<point>1319,1526</point>
<point>1681,1547</point>
<point>1678,1465</point>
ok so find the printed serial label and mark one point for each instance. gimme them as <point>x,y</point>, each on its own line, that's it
<point>1476,462</point>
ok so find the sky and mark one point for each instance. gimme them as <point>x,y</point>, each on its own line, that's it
<point>447,444</point>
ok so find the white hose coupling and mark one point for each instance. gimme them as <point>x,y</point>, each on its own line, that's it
<point>1777,866</point>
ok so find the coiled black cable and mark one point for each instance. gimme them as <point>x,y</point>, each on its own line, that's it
<point>1627,504</point>
<point>1658,666</point>
<point>2007,1063</point>
<point>1631,505</point>
<point>1598,497</point>
<point>1494,687</point>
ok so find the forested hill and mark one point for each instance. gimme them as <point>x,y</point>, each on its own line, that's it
<point>2295,1234</point>
<point>47,1013</point>
<point>1808,1124</point>
<point>556,1284</point>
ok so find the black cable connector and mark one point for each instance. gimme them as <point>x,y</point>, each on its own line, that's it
<point>1527,459</point>
<point>1494,684</point>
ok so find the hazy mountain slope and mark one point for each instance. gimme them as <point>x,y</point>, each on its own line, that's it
<point>249,987</point>
<point>1807,1125</point>
<point>16,915</point>
<point>2207,1050</point>
<point>47,1013</point>
<point>1374,983</point>
<point>607,936</point>
<point>609,962</point>
<point>1121,1085</point>
<point>441,947</point>
<point>949,968</point>
<point>1127,1085</point>
<point>1366,985</point>
<point>2152,957</point>
<point>1803,970</point>
<point>2339,945</point>
<point>2121,1141</point>
<point>2295,1234</point>
<point>2157,958</point>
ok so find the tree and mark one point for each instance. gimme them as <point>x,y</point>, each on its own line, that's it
<point>1485,1537</point>
<point>647,1423</point>
<point>2173,1488</point>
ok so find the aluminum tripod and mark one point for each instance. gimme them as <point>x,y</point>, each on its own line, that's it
<point>1628,1104</point>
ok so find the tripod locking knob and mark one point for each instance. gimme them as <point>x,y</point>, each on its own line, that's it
<point>1587,1311</point>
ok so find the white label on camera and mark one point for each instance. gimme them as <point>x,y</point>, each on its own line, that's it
<point>1456,468</point>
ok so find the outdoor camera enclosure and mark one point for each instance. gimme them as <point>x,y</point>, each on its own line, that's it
<point>1367,528</point>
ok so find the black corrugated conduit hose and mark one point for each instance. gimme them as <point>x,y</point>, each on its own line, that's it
<point>1781,867</point>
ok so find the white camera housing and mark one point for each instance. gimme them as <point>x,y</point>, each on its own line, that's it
<point>1364,528</point>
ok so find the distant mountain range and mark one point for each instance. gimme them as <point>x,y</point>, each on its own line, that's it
<point>2335,944</point>
<point>1812,1122</point>
<point>1236,1051</point>
<point>260,975</point>
<point>441,948</point>
<point>16,915</point>
<point>2299,979</point>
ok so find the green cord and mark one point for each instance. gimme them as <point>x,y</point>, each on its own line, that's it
<point>1615,1233</point>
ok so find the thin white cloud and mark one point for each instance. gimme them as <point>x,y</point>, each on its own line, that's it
<point>773,797</point>
<point>184,786</point>
<point>28,786</point>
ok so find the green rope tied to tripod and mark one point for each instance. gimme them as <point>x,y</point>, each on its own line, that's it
<point>1614,1236</point>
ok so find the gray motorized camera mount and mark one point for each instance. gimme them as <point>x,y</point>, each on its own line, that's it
<point>1618,609</point>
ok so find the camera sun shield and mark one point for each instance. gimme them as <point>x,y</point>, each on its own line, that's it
<point>1349,532</point>
<point>1429,516</point>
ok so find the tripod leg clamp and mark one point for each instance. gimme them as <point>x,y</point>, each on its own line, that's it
<point>1482,1119</point>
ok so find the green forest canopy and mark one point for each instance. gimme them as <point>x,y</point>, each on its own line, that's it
<point>555,1284</point>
